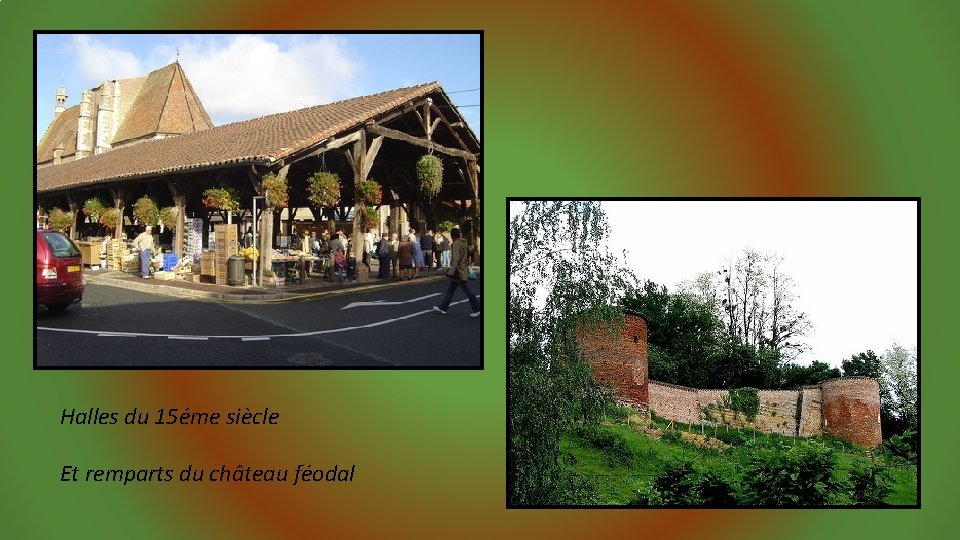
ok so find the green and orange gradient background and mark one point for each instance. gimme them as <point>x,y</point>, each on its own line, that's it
<point>658,98</point>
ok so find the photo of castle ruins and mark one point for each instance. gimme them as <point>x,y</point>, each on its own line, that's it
<point>732,388</point>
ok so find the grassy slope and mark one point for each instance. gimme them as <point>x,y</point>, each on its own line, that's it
<point>618,476</point>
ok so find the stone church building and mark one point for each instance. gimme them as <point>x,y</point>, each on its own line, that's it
<point>121,113</point>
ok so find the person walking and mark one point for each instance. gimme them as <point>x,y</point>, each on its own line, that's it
<point>459,275</point>
<point>144,244</point>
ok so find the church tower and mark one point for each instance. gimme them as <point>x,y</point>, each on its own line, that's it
<point>61,101</point>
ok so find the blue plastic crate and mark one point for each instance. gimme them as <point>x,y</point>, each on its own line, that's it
<point>169,261</point>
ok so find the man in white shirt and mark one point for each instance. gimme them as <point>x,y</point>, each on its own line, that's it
<point>144,243</point>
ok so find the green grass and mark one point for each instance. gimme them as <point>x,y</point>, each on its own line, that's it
<point>618,475</point>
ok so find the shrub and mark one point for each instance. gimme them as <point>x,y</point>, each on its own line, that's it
<point>803,475</point>
<point>869,486</point>
<point>745,401</point>
<point>676,486</point>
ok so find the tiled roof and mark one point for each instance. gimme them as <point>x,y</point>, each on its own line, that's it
<point>162,102</point>
<point>166,103</point>
<point>261,140</point>
<point>63,129</point>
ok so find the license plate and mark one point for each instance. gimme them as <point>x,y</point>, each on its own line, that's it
<point>73,268</point>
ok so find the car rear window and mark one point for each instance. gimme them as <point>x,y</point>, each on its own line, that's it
<point>60,245</point>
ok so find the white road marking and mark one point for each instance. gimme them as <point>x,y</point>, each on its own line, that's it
<point>385,303</point>
<point>264,337</point>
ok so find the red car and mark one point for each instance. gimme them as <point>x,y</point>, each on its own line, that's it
<point>60,280</point>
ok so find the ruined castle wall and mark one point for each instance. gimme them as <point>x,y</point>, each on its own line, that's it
<point>674,402</point>
<point>619,356</point>
<point>811,411</point>
<point>851,410</point>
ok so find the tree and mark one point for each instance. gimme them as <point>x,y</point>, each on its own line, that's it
<point>757,300</point>
<point>550,386</point>
<point>900,371</point>
<point>683,333</point>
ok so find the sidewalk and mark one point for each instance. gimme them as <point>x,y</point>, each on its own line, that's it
<point>311,287</point>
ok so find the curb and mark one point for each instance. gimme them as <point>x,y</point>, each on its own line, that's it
<point>157,287</point>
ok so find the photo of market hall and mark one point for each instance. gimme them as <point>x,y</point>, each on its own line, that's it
<point>150,136</point>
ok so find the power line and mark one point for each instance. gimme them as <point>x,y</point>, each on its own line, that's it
<point>462,91</point>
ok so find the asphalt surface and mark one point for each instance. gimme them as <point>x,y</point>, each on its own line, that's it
<point>390,326</point>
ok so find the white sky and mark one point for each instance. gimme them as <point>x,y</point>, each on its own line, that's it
<point>853,263</point>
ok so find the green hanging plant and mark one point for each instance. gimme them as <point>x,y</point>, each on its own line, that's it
<point>430,175</point>
<point>60,220</point>
<point>324,189</point>
<point>222,199</point>
<point>277,186</point>
<point>92,208</point>
<point>371,218</point>
<point>445,226</point>
<point>369,192</point>
<point>110,217</point>
<point>168,216</point>
<point>145,211</point>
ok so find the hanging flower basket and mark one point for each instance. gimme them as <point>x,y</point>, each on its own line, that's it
<point>371,218</point>
<point>92,208</point>
<point>145,211</point>
<point>222,199</point>
<point>168,217</point>
<point>277,188</point>
<point>60,220</point>
<point>369,192</point>
<point>110,217</point>
<point>324,189</point>
<point>430,175</point>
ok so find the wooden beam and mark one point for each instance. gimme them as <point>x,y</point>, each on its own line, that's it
<point>401,136</point>
<point>407,108</point>
<point>371,155</point>
<point>450,127</point>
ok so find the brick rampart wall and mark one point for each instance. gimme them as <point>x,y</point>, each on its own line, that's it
<point>851,410</point>
<point>811,411</point>
<point>848,407</point>
<point>674,402</point>
<point>619,356</point>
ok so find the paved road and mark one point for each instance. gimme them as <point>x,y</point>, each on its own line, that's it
<point>117,327</point>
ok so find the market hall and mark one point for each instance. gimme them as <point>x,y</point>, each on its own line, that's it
<point>383,136</point>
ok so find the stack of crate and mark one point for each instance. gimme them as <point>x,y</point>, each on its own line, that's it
<point>208,267</point>
<point>115,252</point>
<point>227,244</point>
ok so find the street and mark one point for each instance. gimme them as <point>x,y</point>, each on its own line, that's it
<point>387,327</point>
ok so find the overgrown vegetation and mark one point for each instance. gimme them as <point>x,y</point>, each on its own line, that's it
<point>628,465</point>
<point>551,388</point>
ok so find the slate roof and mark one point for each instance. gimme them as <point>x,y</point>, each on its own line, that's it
<point>261,140</point>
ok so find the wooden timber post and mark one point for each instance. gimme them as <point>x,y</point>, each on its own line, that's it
<point>74,207</point>
<point>180,192</point>
<point>361,160</point>
<point>266,231</point>
<point>119,196</point>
